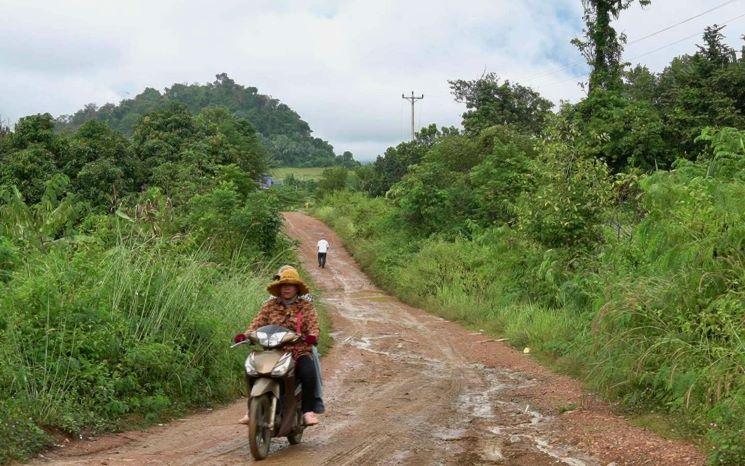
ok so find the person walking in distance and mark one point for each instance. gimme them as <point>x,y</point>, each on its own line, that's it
<point>323,249</point>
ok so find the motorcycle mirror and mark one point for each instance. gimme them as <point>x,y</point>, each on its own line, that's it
<point>239,344</point>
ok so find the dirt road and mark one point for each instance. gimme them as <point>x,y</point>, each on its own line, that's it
<point>405,387</point>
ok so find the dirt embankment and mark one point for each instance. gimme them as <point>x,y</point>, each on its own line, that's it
<point>405,387</point>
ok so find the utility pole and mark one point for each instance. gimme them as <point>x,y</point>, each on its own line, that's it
<point>412,99</point>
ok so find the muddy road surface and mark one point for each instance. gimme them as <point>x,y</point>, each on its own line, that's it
<point>406,387</point>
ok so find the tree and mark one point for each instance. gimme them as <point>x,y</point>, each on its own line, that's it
<point>230,140</point>
<point>36,130</point>
<point>571,195</point>
<point>101,165</point>
<point>602,46</point>
<point>620,131</point>
<point>715,53</point>
<point>28,170</point>
<point>4,132</point>
<point>435,195</point>
<point>280,129</point>
<point>490,103</point>
<point>700,90</point>
<point>502,176</point>
<point>161,135</point>
<point>186,155</point>
<point>640,84</point>
<point>332,179</point>
<point>391,167</point>
<point>346,160</point>
<point>30,155</point>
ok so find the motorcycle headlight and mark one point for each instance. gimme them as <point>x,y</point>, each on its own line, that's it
<point>283,365</point>
<point>270,340</point>
<point>276,338</point>
<point>250,367</point>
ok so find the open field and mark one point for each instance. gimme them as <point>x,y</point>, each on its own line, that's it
<point>302,173</point>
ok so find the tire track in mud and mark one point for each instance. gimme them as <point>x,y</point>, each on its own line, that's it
<point>406,387</point>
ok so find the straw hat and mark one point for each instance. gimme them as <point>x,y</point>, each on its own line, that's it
<point>287,276</point>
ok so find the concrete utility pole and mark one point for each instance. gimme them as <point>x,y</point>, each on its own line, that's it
<point>412,99</point>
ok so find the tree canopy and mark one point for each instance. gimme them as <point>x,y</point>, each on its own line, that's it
<point>489,102</point>
<point>287,138</point>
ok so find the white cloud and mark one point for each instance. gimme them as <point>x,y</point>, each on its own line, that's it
<point>341,64</point>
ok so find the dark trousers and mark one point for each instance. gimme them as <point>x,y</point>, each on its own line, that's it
<point>322,260</point>
<point>305,373</point>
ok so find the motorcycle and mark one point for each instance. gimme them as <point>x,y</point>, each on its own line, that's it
<point>274,403</point>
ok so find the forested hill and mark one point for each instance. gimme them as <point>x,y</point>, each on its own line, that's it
<point>286,136</point>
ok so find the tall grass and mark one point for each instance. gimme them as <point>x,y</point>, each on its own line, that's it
<point>99,338</point>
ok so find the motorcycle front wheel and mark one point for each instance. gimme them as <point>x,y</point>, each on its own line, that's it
<point>259,435</point>
<point>297,435</point>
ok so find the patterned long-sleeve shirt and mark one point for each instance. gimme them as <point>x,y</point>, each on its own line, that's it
<point>275,312</point>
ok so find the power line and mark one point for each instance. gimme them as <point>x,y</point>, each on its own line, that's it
<point>651,34</point>
<point>681,40</point>
<point>636,57</point>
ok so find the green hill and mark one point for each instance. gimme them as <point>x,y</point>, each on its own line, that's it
<point>286,136</point>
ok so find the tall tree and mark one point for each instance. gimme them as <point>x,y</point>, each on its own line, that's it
<point>490,102</point>
<point>602,46</point>
<point>700,90</point>
<point>715,51</point>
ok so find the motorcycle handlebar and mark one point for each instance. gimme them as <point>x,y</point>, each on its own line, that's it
<point>252,339</point>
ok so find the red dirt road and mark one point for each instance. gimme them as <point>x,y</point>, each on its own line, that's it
<point>406,387</point>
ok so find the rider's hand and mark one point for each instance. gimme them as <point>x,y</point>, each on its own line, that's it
<point>241,337</point>
<point>310,339</point>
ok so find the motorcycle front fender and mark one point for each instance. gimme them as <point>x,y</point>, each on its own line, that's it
<point>265,385</point>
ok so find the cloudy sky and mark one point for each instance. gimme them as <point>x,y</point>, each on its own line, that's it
<point>341,64</point>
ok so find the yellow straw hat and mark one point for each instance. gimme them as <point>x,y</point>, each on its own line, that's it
<point>288,276</point>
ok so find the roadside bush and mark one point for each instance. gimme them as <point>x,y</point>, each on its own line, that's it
<point>232,225</point>
<point>20,436</point>
<point>570,199</point>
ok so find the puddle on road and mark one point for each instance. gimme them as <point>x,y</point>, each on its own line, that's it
<point>517,424</point>
<point>448,434</point>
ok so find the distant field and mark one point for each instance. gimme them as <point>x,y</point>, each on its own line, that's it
<point>304,173</point>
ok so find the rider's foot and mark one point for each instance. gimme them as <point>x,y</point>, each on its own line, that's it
<point>244,420</point>
<point>310,418</point>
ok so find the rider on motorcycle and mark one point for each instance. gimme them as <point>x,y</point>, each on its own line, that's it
<point>319,408</point>
<point>288,310</point>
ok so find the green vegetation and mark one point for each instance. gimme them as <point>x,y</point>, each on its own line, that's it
<point>126,266</point>
<point>299,173</point>
<point>298,187</point>
<point>608,237</point>
<point>286,137</point>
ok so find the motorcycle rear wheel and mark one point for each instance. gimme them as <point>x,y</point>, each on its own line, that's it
<point>259,435</point>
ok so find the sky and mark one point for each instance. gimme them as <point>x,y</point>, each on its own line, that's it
<point>342,65</point>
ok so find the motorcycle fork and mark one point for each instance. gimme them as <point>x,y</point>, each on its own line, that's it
<point>272,413</point>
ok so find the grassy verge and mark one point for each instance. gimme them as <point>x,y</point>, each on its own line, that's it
<point>101,340</point>
<point>650,318</point>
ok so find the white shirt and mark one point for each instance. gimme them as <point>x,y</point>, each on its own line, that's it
<point>323,245</point>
